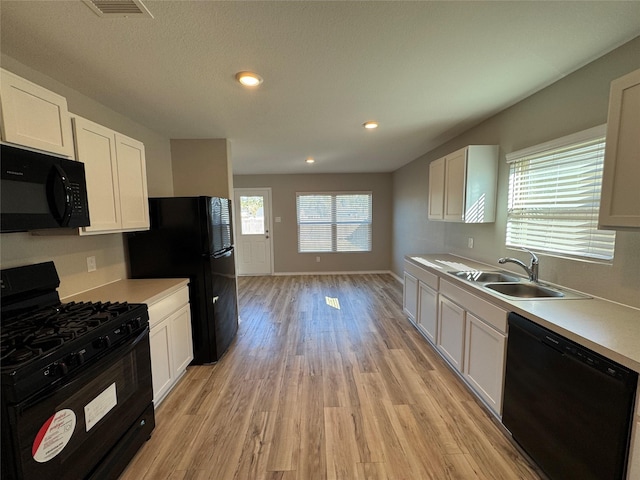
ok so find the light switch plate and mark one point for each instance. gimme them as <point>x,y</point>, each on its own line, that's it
<point>91,264</point>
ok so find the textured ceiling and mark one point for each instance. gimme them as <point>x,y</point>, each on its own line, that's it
<point>425,70</point>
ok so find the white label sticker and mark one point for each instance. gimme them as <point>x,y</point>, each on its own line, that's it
<point>97,408</point>
<point>54,435</point>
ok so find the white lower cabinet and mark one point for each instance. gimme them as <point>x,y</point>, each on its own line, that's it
<point>410,297</point>
<point>421,300</point>
<point>182,343</point>
<point>634,457</point>
<point>428,311</point>
<point>473,338</point>
<point>484,360</point>
<point>451,332</point>
<point>161,360</point>
<point>171,342</point>
<point>470,333</point>
<point>633,471</point>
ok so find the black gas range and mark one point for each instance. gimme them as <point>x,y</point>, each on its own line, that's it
<point>76,380</point>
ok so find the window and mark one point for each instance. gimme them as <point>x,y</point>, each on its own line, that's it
<point>554,197</point>
<point>334,222</point>
<point>252,215</point>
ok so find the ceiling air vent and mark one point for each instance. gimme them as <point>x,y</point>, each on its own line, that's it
<point>118,8</point>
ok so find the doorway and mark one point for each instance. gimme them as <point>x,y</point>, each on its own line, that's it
<point>253,231</point>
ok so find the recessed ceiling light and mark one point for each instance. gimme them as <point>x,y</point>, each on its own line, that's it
<point>310,160</point>
<point>370,125</point>
<point>249,79</point>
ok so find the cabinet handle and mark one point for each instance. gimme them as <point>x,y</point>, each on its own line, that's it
<point>215,299</point>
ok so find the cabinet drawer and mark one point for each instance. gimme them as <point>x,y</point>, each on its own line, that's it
<point>166,306</point>
<point>421,274</point>
<point>486,311</point>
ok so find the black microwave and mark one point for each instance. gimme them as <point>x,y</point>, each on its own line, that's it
<point>40,191</point>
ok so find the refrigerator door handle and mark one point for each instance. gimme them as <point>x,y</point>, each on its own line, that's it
<point>224,253</point>
<point>215,299</point>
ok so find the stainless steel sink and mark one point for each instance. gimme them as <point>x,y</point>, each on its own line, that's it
<point>482,277</point>
<point>524,290</point>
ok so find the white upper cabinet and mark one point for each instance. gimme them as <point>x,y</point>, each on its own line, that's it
<point>462,185</point>
<point>116,178</point>
<point>132,178</point>
<point>620,201</point>
<point>33,116</point>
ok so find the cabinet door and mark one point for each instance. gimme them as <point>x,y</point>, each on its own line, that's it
<point>428,311</point>
<point>436,189</point>
<point>410,298</point>
<point>634,454</point>
<point>132,179</point>
<point>620,202</point>
<point>34,116</point>
<point>484,361</point>
<point>96,148</point>
<point>161,360</point>
<point>451,331</point>
<point>181,339</point>
<point>455,185</point>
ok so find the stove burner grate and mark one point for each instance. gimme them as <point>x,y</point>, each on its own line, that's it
<point>33,334</point>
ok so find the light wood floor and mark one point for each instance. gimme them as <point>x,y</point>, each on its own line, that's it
<point>326,380</point>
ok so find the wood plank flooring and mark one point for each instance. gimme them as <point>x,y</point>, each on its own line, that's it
<point>326,380</point>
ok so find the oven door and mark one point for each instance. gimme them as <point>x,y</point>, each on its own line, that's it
<point>70,430</point>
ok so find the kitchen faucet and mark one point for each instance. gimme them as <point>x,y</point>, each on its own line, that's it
<point>532,269</point>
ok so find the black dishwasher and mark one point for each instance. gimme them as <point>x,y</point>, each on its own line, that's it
<point>569,408</point>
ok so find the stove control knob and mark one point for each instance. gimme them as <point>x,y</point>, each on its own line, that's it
<point>57,369</point>
<point>103,342</point>
<point>135,323</point>
<point>60,369</point>
<point>76,358</point>
<point>127,328</point>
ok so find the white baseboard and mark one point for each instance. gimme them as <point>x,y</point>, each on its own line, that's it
<point>363,272</point>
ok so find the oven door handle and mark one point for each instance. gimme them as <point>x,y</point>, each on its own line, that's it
<point>88,369</point>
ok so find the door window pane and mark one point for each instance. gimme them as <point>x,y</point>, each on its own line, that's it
<point>252,215</point>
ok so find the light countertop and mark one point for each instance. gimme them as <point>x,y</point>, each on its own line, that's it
<point>147,290</point>
<point>608,328</point>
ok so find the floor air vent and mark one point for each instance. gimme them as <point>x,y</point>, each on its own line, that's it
<point>118,8</point>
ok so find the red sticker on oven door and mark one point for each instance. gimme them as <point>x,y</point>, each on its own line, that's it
<point>53,435</point>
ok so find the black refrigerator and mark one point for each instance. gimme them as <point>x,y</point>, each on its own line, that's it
<point>192,237</point>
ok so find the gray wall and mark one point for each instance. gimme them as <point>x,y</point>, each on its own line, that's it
<point>285,234</point>
<point>69,252</point>
<point>577,102</point>
<point>201,167</point>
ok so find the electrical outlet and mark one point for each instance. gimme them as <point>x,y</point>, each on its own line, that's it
<point>470,242</point>
<point>318,259</point>
<point>91,264</point>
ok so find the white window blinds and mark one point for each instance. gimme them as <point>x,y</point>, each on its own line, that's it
<point>554,197</point>
<point>334,222</point>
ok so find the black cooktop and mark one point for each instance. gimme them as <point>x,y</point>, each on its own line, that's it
<point>43,340</point>
<point>35,333</point>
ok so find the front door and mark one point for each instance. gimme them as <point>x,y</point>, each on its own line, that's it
<point>253,227</point>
